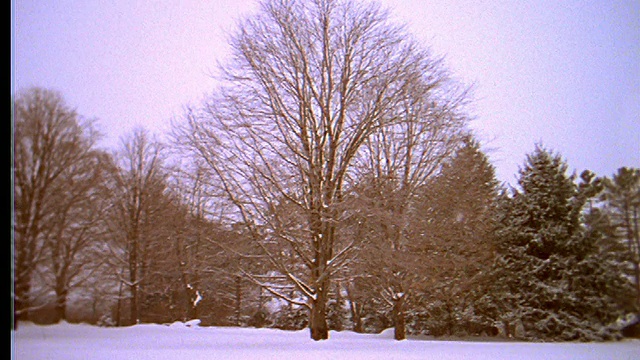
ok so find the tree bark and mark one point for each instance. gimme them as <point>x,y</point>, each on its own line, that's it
<point>61,298</point>
<point>636,254</point>
<point>61,305</point>
<point>238,300</point>
<point>356,317</point>
<point>318,316</point>
<point>399,318</point>
<point>133,278</point>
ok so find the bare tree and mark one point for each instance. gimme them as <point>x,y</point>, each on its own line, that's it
<point>397,160</point>
<point>50,141</point>
<point>433,240</point>
<point>76,227</point>
<point>191,245</point>
<point>308,83</point>
<point>137,191</point>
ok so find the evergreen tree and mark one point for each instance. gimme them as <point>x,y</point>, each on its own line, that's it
<point>599,288</point>
<point>551,275</point>
<point>457,224</point>
<point>622,196</point>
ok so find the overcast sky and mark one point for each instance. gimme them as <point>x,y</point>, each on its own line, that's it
<point>564,73</point>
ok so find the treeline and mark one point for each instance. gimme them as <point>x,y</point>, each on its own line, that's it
<point>117,238</point>
<point>329,182</point>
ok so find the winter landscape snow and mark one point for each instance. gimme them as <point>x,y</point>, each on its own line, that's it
<point>189,341</point>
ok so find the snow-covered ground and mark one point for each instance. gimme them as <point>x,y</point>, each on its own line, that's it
<point>180,341</point>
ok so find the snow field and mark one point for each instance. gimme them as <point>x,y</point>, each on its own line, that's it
<point>190,342</point>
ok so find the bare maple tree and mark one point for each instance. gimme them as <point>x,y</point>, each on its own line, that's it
<point>397,162</point>
<point>137,190</point>
<point>207,274</point>
<point>52,145</point>
<point>189,243</point>
<point>72,239</point>
<point>307,85</point>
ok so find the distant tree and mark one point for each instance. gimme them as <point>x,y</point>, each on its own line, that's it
<point>394,163</point>
<point>536,230</point>
<point>226,254</point>
<point>138,192</point>
<point>622,197</point>
<point>189,185</point>
<point>338,313</point>
<point>164,292</point>
<point>52,154</point>
<point>207,254</point>
<point>387,266</point>
<point>74,236</point>
<point>308,83</point>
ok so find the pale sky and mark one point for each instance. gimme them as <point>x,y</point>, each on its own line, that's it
<point>564,73</point>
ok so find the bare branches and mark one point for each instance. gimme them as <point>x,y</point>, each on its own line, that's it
<point>309,86</point>
<point>53,153</point>
<point>138,190</point>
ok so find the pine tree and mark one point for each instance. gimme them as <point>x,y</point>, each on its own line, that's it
<point>622,196</point>
<point>551,278</point>
<point>456,221</point>
<point>599,289</point>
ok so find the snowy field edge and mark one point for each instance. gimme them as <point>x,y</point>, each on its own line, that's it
<point>189,341</point>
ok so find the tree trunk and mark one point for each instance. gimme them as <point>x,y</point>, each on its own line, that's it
<point>27,230</point>
<point>636,255</point>
<point>356,312</point>
<point>337,324</point>
<point>636,268</point>
<point>238,300</point>
<point>323,252</point>
<point>190,291</point>
<point>118,316</point>
<point>450,321</point>
<point>22,288</point>
<point>356,317</point>
<point>133,287</point>
<point>318,315</point>
<point>61,300</point>
<point>61,307</point>
<point>22,281</point>
<point>507,329</point>
<point>398,318</point>
<point>133,277</point>
<point>133,309</point>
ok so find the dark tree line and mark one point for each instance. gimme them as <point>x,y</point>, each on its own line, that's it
<point>112,237</point>
<point>137,240</point>
<point>330,182</point>
<point>56,172</point>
